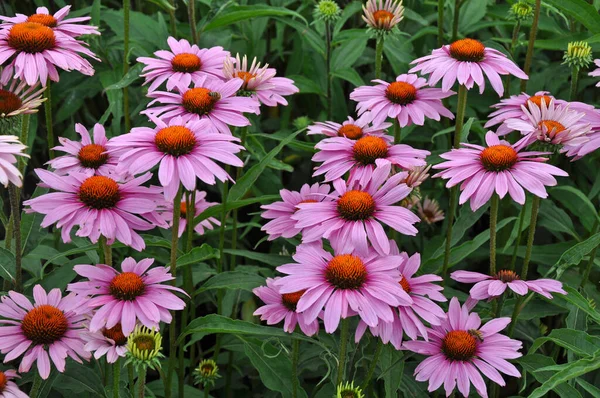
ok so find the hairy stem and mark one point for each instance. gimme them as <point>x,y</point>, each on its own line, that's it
<point>126,9</point>
<point>511,49</point>
<point>48,115</point>
<point>440,22</point>
<point>116,377</point>
<point>295,355</point>
<point>460,114</point>
<point>457,4</point>
<point>192,21</point>
<point>343,350</point>
<point>397,132</point>
<point>328,67</point>
<point>532,36</point>
<point>15,210</point>
<point>513,260</point>
<point>234,232</point>
<point>493,223</point>
<point>574,83</point>
<point>141,381</point>
<point>379,56</point>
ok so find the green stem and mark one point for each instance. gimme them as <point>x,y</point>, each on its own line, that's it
<point>455,21</point>
<point>460,114</point>
<point>192,21</point>
<point>37,385</point>
<point>441,4</point>
<point>126,8</point>
<point>142,381</point>
<point>574,83</point>
<point>106,250</point>
<point>532,36</point>
<point>513,44</point>
<point>15,210</point>
<point>48,114</point>
<point>493,223</point>
<point>131,376</point>
<point>206,390</point>
<point>447,250</point>
<point>373,365</point>
<point>173,268</point>
<point>116,377</point>
<point>295,355</point>
<point>588,268</point>
<point>172,20</point>
<point>328,67</point>
<point>513,260</point>
<point>397,132</point>
<point>343,350</point>
<point>379,56</point>
<point>234,232</point>
<point>24,140</point>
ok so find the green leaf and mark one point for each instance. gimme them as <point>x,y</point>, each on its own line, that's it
<point>77,250</point>
<point>392,367</point>
<point>132,75</point>
<point>274,260</point>
<point>79,379</point>
<point>575,254</point>
<point>30,223</point>
<point>198,255</point>
<point>232,280</point>
<point>7,265</point>
<point>307,33</point>
<point>246,182</point>
<point>345,55</point>
<point>164,4</point>
<point>577,203</point>
<point>350,75</point>
<point>216,210</point>
<point>593,390</point>
<point>581,11</point>
<point>240,13</point>
<point>577,341</point>
<point>534,362</point>
<point>306,85</point>
<point>575,298</point>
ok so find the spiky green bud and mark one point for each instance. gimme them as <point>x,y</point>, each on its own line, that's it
<point>327,11</point>
<point>349,391</point>
<point>578,54</point>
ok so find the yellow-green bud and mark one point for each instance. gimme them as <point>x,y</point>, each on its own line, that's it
<point>349,391</point>
<point>327,10</point>
<point>207,372</point>
<point>578,54</point>
<point>521,11</point>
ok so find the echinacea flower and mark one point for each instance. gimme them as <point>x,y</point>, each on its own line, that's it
<point>596,72</point>
<point>417,175</point>
<point>210,99</point>
<point>200,205</point>
<point>382,17</point>
<point>98,205</point>
<point>8,388</point>
<point>183,64</point>
<point>343,284</point>
<point>360,157</point>
<point>487,286</point>
<point>143,347</point>
<point>206,373</point>
<point>280,213</point>
<point>512,108</point>
<point>283,307</point>
<point>259,82</point>
<point>500,167</point>
<point>107,341</point>
<point>10,147</point>
<point>37,50</point>
<point>351,129</point>
<point>467,60</point>
<point>184,150</point>
<point>51,325</point>
<point>86,156</point>
<point>57,21</point>
<point>429,211</point>
<point>460,350</point>
<point>353,214</point>
<point>407,99</point>
<point>18,98</point>
<point>552,123</point>
<point>136,293</point>
<point>407,318</point>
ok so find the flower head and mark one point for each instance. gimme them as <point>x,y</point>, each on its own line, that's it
<point>98,205</point>
<point>349,391</point>
<point>106,341</point>
<point>512,108</point>
<point>135,294</point>
<point>407,99</point>
<point>201,204</point>
<point>206,373</point>
<point>578,54</point>
<point>351,129</point>
<point>327,10</point>
<point>10,147</point>
<point>460,349</point>
<point>183,64</point>
<point>353,214</point>
<point>8,388</point>
<point>143,347</point>
<point>467,60</point>
<point>51,325</point>
<point>382,18</point>
<point>259,82</point>
<point>184,150</point>
<point>210,99</point>
<point>429,211</point>
<point>500,167</point>
<point>491,286</point>
<point>86,156</point>
<point>18,98</point>
<point>280,213</point>
<point>57,22</point>
<point>343,284</point>
<point>417,175</point>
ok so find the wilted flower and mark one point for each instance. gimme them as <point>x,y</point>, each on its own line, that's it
<point>430,211</point>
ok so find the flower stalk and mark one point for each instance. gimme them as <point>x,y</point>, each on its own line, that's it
<point>126,9</point>
<point>142,381</point>
<point>532,36</point>
<point>493,223</point>
<point>440,22</point>
<point>116,377</point>
<point>513,260</point>
<point>379,56</point>
<point>343,350</point>
<point>48,115</point>
<point>15,210</point>
<point>234,232</point>
<point>457,4</point>
<point>373,365</point>
<point>328,66</point>
<point>295,355</point>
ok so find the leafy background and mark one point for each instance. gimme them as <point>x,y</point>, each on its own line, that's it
<point>562,337</point>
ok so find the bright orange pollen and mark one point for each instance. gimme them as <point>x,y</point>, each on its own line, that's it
<point>290,300</point>
<point>200,100</point>
<point>356,205</point>
<point>350,131</point>
<point>459,345</point>
<point>43,19</point>
<point>405,285</point>
<point>401,93</point>
<point>44,324</point>
<point>115,334</point>
<point>382,17</point>
<point>31,37</point>
<point>467,50</point>
<point>99,192</point>
<point>368,149</point>
<point>126,286</point>
<point>346,271</point>
<point>537,99</point>
<point>506,275</point>
<point>498,157</point>
<point>552,126</point>
<point>175,140</point>
<point>3,381</point>
<point>186,63</point>
<point>245,76</point>
<point>92,156</point>
<point>9,102</point>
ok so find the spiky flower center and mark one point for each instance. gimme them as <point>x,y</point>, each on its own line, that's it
<point>43,19</point>
<point>186,63</point>
<point>92,156</point>
<point>551,126</point>
<point>9,102</point>
<point>3,381</point>
<point>350,131</point>
<point>99,192</point>
<point>290,300</point>
<point>144,342</point>
<point>506,276</point>
<point>245,76</point>
<point>538,99</point>
<point>401,93</point>
<point>498,157</point>
<point>207,369</point>
<point>200,100</point>
<point>356,205</point>
<point>368,149</point>
<point>44,324</point>
<point>405,285</point>
<point>183,210</point>
<point>382,17</point>
<point>31,37</point>
<point>126,286</point>
<point>175,140</point>
<point>115,334</point>
<point>459,345</point>
<point>467,50</point>
<point>346,271</point>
